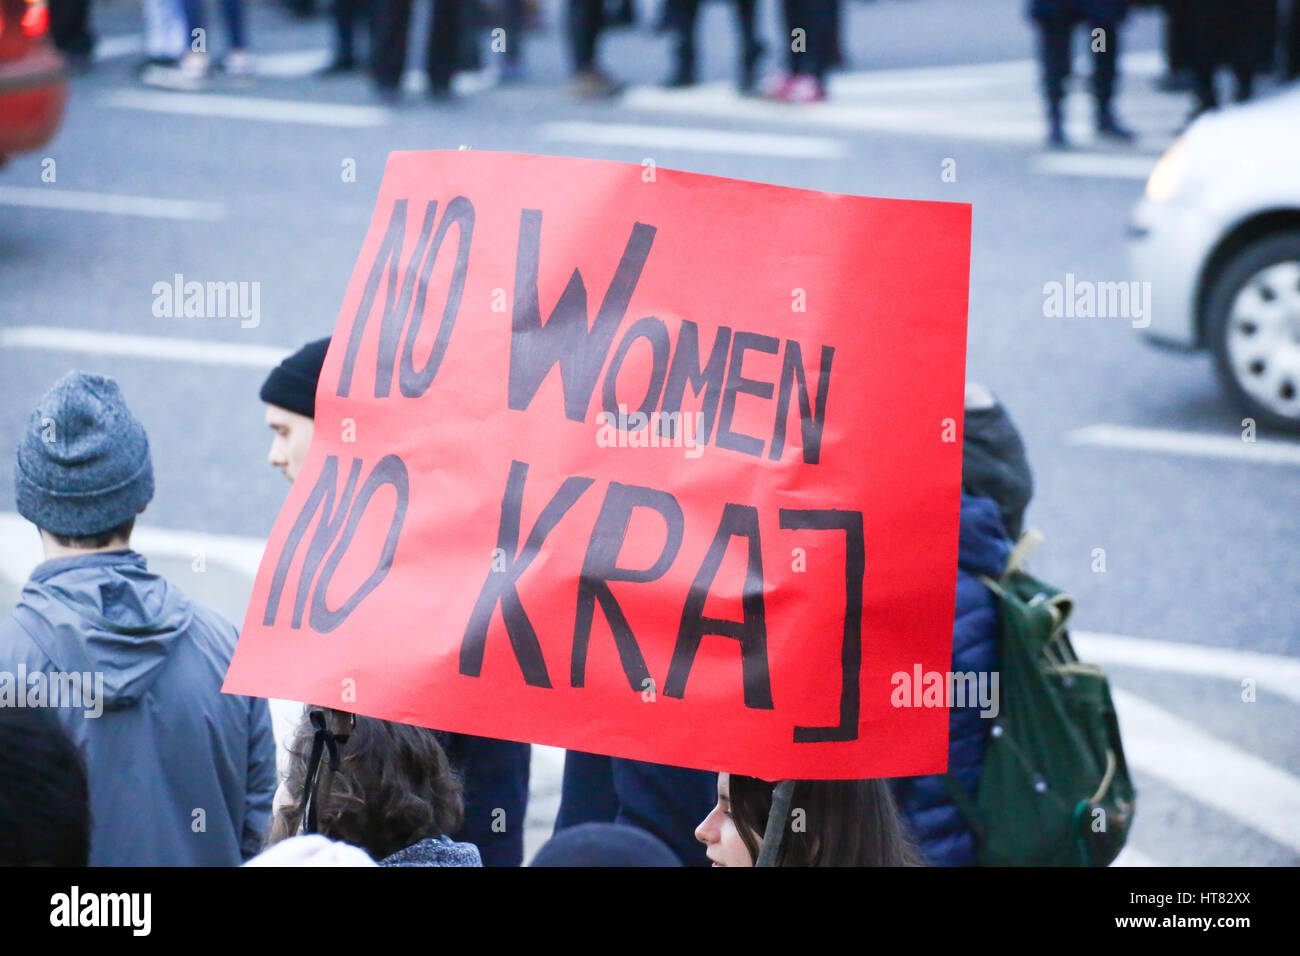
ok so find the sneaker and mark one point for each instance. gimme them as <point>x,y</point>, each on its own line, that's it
<point>774,86</point>
<point>592,85</point>
<point>188,74</point>
<point>237,63</point>
<point>803,89</point>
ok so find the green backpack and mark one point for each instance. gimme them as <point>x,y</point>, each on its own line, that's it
<point>1054,789</point>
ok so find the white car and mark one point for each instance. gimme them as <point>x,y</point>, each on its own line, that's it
<point>1218,236</point>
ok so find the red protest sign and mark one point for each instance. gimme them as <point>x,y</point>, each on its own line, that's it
<point>637,462</point>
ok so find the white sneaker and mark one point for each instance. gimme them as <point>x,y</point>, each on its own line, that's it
<point>237,63</point>
<point>177,77</point>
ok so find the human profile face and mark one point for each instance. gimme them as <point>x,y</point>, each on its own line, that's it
<point>292,438</point>
<point>718,831</point>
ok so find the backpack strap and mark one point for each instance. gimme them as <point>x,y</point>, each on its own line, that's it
<point>965,806</point>
<point>1027,545</point>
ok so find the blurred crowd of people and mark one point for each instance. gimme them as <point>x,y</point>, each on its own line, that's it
<point>1251,37</point>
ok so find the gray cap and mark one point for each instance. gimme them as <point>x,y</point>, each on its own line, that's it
<point>83,465</point>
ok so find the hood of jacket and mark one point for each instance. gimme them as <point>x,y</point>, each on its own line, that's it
<point>982,543</point>
<point>107,613</point>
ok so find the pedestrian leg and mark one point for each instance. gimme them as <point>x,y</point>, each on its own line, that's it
<point>683,17</point>
<point>440,51</point>
<point>1105,72</point>
<point>1204,50</point>
<point>1054,58</point>
<point>390,26</point>
<point>751,49</point>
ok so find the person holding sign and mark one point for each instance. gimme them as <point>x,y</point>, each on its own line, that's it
<point>502,530</point>
<point>495,772</point>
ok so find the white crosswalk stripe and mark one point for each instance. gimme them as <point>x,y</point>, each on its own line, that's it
<point>166,348</point>
<point>1170,441</point>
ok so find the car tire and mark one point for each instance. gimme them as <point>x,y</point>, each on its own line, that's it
<point>1252,324</point>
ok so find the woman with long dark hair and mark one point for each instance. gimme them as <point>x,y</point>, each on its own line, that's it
<point>831,823</point>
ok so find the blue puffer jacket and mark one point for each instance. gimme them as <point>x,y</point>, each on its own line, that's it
<point>935,822</point>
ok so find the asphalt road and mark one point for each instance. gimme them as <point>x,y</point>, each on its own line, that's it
<point>1199,551</point>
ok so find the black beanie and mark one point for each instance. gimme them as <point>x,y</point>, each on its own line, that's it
<point>292,383</point>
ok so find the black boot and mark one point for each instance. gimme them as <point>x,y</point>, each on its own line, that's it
<point>684,72</point>
<point>749,60</point>
<point>1055,126</point>
<point>1110,127</point>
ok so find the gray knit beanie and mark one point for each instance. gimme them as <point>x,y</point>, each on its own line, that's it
<point>83,466</point>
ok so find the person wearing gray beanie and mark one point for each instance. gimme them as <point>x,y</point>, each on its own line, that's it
<point>130,668</point>
<point>83,467</point>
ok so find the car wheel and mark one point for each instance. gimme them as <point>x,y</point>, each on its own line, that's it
<point>1253,329</point>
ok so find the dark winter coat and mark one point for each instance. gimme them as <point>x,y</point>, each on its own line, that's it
<point>494,774</point>
<point>1093,11</point>
<point>180,774</point>
<point>435,851</point>
<point>932,817</point>
<point>668,802</point>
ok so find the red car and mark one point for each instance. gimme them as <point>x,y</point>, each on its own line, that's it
<point>33,83</point>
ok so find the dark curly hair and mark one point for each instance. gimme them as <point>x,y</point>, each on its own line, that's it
<point>394,786</point>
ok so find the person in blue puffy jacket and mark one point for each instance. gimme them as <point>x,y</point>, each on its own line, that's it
<point>996,487</point>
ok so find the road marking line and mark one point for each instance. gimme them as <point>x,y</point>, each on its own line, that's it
<point>224,106</point>
<point>1211,772</point>
<point>699,139</point>
<point>107,48</point>
<point>1276,673</point>
<point>43,197</point>
<point>202,351</point>
<point>291,63</point>
<point>1131,857</point>
<point>1262,450</point>
<point>1096,165</point>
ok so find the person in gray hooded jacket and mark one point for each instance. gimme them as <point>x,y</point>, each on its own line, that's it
<point>179,773</point>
